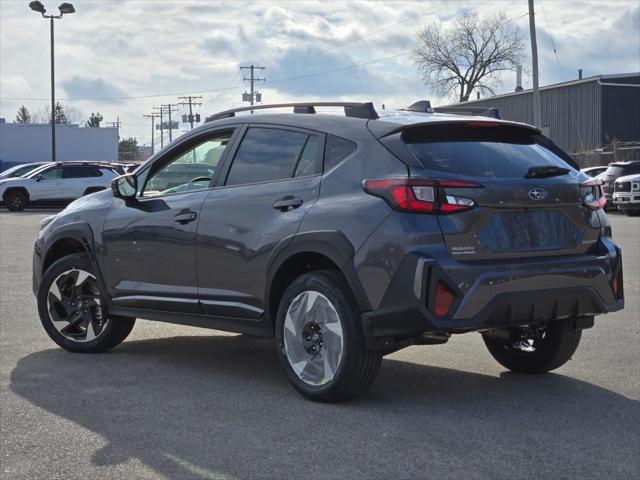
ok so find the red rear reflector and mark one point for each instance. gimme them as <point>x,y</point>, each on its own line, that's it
<point>617,285</point>
<point>444,299</point>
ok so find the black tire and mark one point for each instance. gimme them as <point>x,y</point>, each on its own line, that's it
<point>115,329</point>
<point>560,342</point>
<point>357,368</point>
<point>16,200</point>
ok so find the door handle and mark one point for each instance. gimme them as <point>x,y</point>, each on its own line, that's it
<point>287,202</point>
<point>185,217</point>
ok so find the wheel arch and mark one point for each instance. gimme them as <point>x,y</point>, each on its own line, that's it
<point>311,251</point>
<point>72,238</point>
<point>13,189</point>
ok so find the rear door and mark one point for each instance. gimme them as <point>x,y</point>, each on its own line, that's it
<point>272,181</point>
<point>77,179</point>
<point>527,200</point>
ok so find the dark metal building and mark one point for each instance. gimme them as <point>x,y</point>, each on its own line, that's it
<point>595,118</point>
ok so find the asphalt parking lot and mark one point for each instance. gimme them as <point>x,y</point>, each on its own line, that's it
<point>180,402</point>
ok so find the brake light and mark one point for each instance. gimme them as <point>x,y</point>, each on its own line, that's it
<point>420,196</point>
<point>593,194</point>
<point>443,299</point>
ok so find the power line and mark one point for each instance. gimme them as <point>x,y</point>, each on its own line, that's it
<point>555,52</point>
<point>347,67</point>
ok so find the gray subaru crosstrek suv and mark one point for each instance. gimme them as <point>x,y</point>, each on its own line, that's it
<point>343,237</point>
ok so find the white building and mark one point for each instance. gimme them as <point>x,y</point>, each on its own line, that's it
<point>25,143</point>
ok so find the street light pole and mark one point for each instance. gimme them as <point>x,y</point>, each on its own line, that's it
<point>37,6</point>
<point>53,99</point>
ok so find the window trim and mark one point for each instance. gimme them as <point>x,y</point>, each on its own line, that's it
<point>183,147</point>
<point>231,158</point>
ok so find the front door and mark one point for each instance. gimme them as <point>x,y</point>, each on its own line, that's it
<point>150,242</point>
<point>272,182</point>
<point>49,185</point>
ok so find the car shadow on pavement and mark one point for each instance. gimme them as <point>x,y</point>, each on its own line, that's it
<point>219,407</point>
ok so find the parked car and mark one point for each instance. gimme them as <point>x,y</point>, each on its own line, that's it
<point>594,171</point>
<point>21,170</point>
<point>345,239</point>
<point>626,194</point>
<point>613,171</point>
<point>56,183</point>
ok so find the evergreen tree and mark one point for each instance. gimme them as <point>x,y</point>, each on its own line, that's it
<point>23,115</point>
<point>94,120</point>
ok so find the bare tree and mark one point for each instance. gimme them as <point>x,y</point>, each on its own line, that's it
<point>467,56</point>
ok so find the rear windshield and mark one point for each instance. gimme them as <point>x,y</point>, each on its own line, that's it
<point>495,152</point>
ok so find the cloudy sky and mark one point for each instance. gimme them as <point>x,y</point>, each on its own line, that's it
<point>123,57</point>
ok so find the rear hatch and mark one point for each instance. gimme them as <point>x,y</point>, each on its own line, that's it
<point>525,196</point>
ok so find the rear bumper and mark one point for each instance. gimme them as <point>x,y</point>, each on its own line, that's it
<point>627,200</point>
<point>493,295</point>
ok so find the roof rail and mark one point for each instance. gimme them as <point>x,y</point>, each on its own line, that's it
<point>472,111</point>
<point>351,109</point>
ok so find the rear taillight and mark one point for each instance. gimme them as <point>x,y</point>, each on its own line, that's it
<point>592,194</point>
<point>443,299</point>
<point>420,196</point>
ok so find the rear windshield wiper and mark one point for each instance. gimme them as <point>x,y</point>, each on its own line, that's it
<point>546,171</point>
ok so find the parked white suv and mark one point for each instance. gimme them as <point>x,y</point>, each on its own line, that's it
<point>56,183</point>
<point>626,194</point>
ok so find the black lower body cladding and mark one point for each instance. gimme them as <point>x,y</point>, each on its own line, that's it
<point>492,295</point>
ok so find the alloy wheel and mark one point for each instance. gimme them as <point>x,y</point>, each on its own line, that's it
<point>313,338</point>
<point>75,306</point>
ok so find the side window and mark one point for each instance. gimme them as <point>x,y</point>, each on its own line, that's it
<point>22,171</point>
<point>266,154</point>
<point>190,170</point>
<point>337,149</point>
<point>308,162</point>
<point>94,172</point>
<point>75,172</point>
<point>52,174</point>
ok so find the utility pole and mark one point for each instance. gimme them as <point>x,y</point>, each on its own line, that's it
<point>537,120</point>
<point>253,95</point>
<point>161,116</point>
<point>153,117</point>
<point>192,101</point>
<point>115,124</point>
<point>168,108</point>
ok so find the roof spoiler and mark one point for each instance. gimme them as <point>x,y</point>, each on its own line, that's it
<point>351,109</point>
<point>491,112</point>
<point>423,106</point>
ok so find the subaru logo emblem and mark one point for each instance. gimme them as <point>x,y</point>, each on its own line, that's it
<point>537,193</point>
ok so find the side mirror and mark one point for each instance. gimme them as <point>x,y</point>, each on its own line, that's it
<point>39,178</point>
<point>125,186</point>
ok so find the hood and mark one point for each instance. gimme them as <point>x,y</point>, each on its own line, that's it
<point>5,181</point>
<point>629,178</point>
